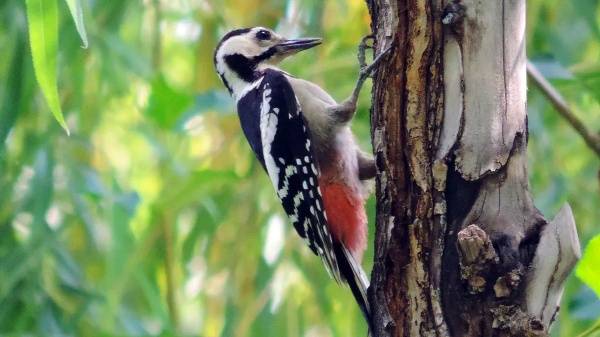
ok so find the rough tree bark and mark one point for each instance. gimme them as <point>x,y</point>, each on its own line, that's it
<point>460,248</point>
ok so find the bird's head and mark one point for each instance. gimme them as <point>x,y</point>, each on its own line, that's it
<point>242,54</point>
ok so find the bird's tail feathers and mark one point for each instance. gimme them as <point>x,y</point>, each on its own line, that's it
<point>356,278</point>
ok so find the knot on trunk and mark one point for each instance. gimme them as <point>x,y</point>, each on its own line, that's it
<point>476,256</point>
<point>454,12</point>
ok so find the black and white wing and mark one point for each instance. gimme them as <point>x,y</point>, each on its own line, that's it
<point>289,161</point>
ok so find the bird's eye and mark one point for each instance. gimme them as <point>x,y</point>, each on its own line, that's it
<point>263,35</point>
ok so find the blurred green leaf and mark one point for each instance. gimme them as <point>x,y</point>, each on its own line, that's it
<point>166,104</point>
<point>12,90</point>
<point>588,269</point>
<point>586,305</point>
<point>42,17</point>
<point>77,14</point>
<point>588,10</point>
<point>210,101</point>
<point>214,100</point>
<point>552,69</point>
<point>591,81</point>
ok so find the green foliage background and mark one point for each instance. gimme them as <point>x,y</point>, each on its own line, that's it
<point>152,218</point>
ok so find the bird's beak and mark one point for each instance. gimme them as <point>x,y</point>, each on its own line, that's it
<point>287,47</point>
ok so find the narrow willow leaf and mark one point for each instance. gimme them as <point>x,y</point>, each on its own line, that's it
<point>77,14</point>
<point>42,17</point>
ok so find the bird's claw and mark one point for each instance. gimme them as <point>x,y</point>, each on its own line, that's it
<point>362,47</point>
<point>367,70</point>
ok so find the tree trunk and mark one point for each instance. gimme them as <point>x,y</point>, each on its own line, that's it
<point>460,249</point>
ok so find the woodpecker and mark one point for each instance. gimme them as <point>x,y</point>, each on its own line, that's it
<point>302,138</point>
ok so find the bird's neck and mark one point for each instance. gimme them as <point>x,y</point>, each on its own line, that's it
<point>239,85</point>
<point>236,85</point>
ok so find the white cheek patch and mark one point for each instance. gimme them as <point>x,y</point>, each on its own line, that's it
<point>241,44</point>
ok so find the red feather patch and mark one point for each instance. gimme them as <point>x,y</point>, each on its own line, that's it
<point>346,216</point>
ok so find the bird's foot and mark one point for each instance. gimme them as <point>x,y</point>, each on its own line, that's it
<point>362,48</point>
<point>346,109</point>
<point>367,70</point>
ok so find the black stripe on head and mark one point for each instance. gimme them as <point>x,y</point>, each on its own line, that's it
<point>227,36</point>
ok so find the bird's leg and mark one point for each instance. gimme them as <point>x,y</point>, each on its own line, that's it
<point>367,168</point>
<point>345,110</point>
